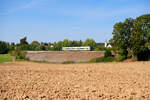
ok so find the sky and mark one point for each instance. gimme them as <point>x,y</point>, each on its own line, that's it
<point>55,20</point>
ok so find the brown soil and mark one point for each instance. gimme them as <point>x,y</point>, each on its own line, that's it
<point>98,81</point>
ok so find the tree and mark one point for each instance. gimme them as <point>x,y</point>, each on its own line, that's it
<point>12,46</point>
<point>58,45</point>
<point>132,37</point>
<point>67,43</point>
<point>121,36</point>
<point>3,47</point>
<point>90,42</point>
<point>34,45</point>
<point>23,44</point>
<point>77,43</point>
<point>140,40</point>
<point>23,41</point>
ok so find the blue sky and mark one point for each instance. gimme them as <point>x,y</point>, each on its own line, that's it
<point>54,20</point>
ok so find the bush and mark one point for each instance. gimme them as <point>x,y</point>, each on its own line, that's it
<point>3,47</point>
<point>67,62</point>
<point>103,59</point>
<point>20,55</point>
<point>143,56</point>
<point>107,53</point>
<point>149,58</point>
<point>96,49</point>
<point>121,58</point>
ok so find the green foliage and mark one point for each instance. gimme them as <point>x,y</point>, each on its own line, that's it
<point>35,46</point>
<point>77,43</point>
<point>23,44</point>
<point>20,55</point>
<point>140,40</point>
<point>107,53</point>
<point>35,43</point>
<point>3,47</point>
<point>90,42</point>
<point>107,57</point>
<point>5,58</point>
<point>132,37</point>
<point>103,59</point>
<point>23,41</point>
<point>123,53</point>
<point>11,46</point>
<point>121,36</point>
<point>97,49</point>
<point>143,55</point>
<point>66,43</point>
<point>56,46</point>
<point>121,58</point>
<point>67,62</point>
<point>23,47</point>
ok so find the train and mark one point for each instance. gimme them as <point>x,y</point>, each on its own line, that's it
<point>83,48</point>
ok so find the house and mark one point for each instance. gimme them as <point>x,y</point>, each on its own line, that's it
<point>51,46</point>
<point>107,45</point>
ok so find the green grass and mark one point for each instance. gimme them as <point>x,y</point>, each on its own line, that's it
<point>68,62</point>
<point>5,58</point>
<point>103,59</point>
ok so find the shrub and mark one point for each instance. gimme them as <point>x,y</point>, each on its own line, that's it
<point>67,62</point>
<point>103,59</point>
<point>107,53</point>
<point>149,58</point>
<point>3,47</point>
<point>96,49</point>
<point>143,56</point>
<point>121,58</point>
<point>20,55</point>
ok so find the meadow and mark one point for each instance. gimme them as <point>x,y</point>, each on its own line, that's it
<point>5,58</point>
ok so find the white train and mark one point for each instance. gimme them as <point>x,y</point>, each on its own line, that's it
<point>85,48</point>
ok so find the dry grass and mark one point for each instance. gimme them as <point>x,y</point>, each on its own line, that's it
<point>101,81</point>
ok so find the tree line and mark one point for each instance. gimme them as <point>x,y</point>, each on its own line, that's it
<point>43,46</point>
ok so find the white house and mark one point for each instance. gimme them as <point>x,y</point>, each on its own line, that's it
<point>107,45</point>
<point>51,46</point>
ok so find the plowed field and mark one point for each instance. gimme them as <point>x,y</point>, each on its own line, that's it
<point>97,81</point>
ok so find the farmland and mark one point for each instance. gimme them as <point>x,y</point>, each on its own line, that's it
<point>93,81</point>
